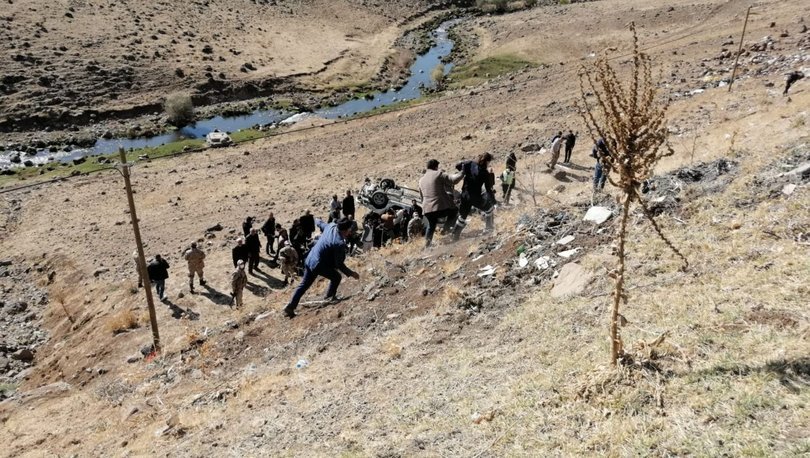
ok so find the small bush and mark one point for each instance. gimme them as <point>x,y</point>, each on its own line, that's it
<point>124,321</point>
<point>179,108</point>
<point>493,6</point>
<point>437,75</point>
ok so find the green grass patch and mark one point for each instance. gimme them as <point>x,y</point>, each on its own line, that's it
<point>7,389</point>
<point>478,72</point>
<point>247,135</point>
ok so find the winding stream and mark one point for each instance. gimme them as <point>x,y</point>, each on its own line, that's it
<point>419,80</point>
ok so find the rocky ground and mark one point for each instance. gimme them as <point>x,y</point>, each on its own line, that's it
<point>492,346</point>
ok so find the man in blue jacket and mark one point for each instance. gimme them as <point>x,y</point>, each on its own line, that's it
<point>327,259</point>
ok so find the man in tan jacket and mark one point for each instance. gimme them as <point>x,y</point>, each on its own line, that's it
<point>196,263</point>
<point>437,202</point>
<point>238,282</point>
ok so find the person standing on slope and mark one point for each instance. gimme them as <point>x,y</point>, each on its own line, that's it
<point>348,205</point>
<point>475,192</point>
<point>196,263</point>
<point>238,281</point>
<point>269,231</point>
<point>556,145</point>
<point>570,141</point>
<point>326,259</point>
<point>254,248</point>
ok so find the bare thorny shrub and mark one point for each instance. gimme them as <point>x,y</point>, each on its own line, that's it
<point>631,120</point>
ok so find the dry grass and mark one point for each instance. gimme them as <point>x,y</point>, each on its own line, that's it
<point>124,321</point>
<point>451,296</point>
<point>451,266</point>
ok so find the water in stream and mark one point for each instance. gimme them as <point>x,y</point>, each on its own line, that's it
<point>419,80</point>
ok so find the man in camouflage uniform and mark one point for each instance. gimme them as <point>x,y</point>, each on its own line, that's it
<point>289,263</point>
<point>196,263</point>
<point>238,282</point>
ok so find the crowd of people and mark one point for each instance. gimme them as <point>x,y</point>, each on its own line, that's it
<point>298,252</point>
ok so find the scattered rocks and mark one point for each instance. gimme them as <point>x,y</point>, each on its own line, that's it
<point>598,215</point>
<point>24,355</point>
<point>100,271</point>
<point>572,281</point>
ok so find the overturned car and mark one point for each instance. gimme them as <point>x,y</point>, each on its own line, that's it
<point>385,195</point>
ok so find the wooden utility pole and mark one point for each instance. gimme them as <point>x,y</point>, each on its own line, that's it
<point>739,51</point>
<point>141,258</point>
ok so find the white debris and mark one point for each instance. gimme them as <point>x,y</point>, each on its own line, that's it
<point>788,189</point>
<point>523,261</point>
<point>566,240</point>
<point>294,119</point>
<point>598,215</point>
<point>568,253</point>
<point>478,257</point>
<point>544,262</point>
<point>486,271</point>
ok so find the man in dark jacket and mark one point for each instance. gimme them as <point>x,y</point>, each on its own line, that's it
<point>269,231</point>
<point>247,225</point>
<point>436,188</point>
<point>254,248</point>
<point>240,252</point>
<point>283,237</point>
<point>570,141</point>
<point>600,172</point>
<point>476,192</point>
<point>307,225</point>
<point>511,162</point>
<point>326,259</point>
<point>158,271</point>
<point>348,205</point>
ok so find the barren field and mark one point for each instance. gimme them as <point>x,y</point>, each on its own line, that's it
<point>79,62</point>
<point>430,356</point>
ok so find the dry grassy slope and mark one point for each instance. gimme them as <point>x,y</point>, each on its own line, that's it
<point>409,384</point>
<point>151,40</point>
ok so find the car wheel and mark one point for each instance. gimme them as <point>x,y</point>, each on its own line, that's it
<point>379,200</point>
<point>387,183</point>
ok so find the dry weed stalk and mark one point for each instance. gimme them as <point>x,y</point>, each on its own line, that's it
<point>631,121</point>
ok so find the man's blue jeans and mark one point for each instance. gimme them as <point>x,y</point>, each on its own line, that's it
<point>599,177</point>
<point>309,278</point>
<point>160,286</point>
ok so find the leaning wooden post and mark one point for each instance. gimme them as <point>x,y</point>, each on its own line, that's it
<point>739,51</point>
<point>141,258</point>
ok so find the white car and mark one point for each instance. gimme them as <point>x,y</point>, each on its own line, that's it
<point>217,138</point>
<point>386,195</point>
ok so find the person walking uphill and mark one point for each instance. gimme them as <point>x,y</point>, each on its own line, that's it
<point>326,259</point>
<point>437,202</point>
<point>158,271</point>
<point>476,177</point>
<point>196,263</point>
